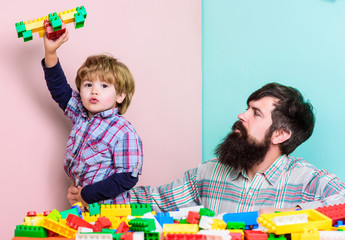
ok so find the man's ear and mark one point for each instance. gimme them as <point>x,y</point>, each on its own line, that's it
<point>280,136</point>
<point>120,98</point>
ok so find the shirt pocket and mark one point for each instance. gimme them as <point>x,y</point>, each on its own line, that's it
<point>97,153</point>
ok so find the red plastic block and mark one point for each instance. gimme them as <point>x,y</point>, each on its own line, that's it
<point>123,227</point>
<point>255,235</point>
<point>236,236</point>
<point>49,30</point>
<point>193,217</point>
<point>185,237</point>
<point>335,212</point>
<point>127,236</point>
<point>74,222</point>
<point>102,222</point>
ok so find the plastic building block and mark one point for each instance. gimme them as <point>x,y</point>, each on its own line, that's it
<point>316,220</point>
<point>115,210</point>
<point>51,34</point>
<point>163,218</point>
<point>184,237</point>
<point>236,236</point>
<point>216,234</point>
<point>102,223</point>
<point>32,218</point>
<point>88,218</point>
<point>206,212</point>
<point>65,213</point>
<point>307,235</point>
<point>331,235</point>
<point>127,236</point>
<point>218,224</point>
<point>151,236</point>
<point>193,217</point>
<point>123,227</point>
<point>25,29</point>
<point>142,225</point>
<point>30,231</point>
<point>290,219</point>
<point>335,212</point>
<point>206,222</point>
<point>75,222</point>
<point>98,236</point>
<point>274,236</point>
<point>94,209</point>
<point>249,218</point>
<point>235,225</point>
<point>140,209</point>
<point>58,228</point>
<point>54,215</point>
<point>180,228</point>
<point>183,212</point>
<point>78,206</point>
<point>255,235</point>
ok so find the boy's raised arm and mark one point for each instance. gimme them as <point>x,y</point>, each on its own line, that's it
<point>50,47</point>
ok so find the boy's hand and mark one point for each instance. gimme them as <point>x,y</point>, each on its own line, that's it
<point>74,195</point>
<point>50,47</point>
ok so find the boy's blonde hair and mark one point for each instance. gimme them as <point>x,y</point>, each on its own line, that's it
<point>108,69</point>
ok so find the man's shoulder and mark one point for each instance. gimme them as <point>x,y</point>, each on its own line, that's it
<point>298,164</point>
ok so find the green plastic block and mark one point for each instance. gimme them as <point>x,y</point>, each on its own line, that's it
<point>235,225</point>
<point>20,28</point>
<point>82,10</point>
<point>273,236</point>
<point>55,21</point>
<point>27,35</point>
<point>142,224</point>
<point>206,212</point>
<point>109,231</point>
<point>79,20</point>
<point>30,231</point>
<point>151,236</point>
<point>54,215</point>
<point>117,236</point>
<point>94,209</point>
<point>183,221</point>
<point>140,209</point>
<point>65,213</point>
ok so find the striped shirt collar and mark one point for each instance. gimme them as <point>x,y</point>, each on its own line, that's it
<point>105,114</point>
<point>271,174</point>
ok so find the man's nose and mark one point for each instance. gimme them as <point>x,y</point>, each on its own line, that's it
<point>242,116</point>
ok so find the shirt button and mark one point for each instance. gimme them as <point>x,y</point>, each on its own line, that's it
<point>95,147</point>
<point>82,140</point>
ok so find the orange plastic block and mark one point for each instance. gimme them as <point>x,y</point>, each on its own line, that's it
<point>180,229</point>
<point>58,228</point>
<point>316,220</point>
<point>115,210</point>
<point>255,235</point>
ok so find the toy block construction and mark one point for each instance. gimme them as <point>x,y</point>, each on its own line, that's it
<point>53,24</point>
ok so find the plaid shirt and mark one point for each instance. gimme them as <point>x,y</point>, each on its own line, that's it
<point>287,183</point>
<point>99,147</point>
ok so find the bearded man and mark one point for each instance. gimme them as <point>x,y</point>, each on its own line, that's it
<point>254,170</point>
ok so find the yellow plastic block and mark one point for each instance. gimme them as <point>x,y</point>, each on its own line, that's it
<point>218,224</point>
<point>58,228</point>
<point>237,231</point>
<point>180,229</point>
<point>115,210</point>
<point>33,221</point>
<point>88,218</point>
<point>306,235</point>
<point>316,220</point>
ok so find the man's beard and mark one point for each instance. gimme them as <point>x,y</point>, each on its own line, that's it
<point>240,151</point>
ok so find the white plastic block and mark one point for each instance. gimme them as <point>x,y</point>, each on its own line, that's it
<point>291,219</point>
<point>332,235</point>
<point>206,222</point>
<point>85,236</point>
<point>223,234</point>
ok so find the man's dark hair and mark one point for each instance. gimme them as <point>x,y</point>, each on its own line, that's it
<point>291,113</point>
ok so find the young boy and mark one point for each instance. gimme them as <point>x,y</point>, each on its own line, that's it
<point>104,153</point>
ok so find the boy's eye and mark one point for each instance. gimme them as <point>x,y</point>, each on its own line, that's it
<point>88,85</point>
<point>104,85</point>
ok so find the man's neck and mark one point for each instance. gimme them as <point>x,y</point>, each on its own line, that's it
<point>272,155</point>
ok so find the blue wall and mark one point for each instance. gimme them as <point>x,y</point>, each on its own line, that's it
<point>247,44</point>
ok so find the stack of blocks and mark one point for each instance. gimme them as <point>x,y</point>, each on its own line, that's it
<point>138,222</point>
<point>53,24</point>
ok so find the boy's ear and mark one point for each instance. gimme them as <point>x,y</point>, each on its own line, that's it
<point>120,97</point>
<point>280,136</point>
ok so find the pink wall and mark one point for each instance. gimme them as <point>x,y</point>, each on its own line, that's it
<point>160,41</point>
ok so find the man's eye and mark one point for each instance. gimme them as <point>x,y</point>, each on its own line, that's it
<point>256,113</point>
